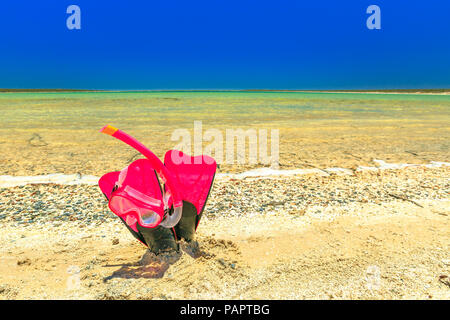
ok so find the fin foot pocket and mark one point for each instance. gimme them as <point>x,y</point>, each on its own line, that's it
<point>185,229</point>
<point>159,239</point>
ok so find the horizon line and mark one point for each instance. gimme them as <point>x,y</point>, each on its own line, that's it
<point>223,90</point>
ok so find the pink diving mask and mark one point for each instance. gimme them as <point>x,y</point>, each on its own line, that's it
<point>133,205</point>
<point>137,197</point>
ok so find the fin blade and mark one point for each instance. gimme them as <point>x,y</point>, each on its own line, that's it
<point>195,176</point>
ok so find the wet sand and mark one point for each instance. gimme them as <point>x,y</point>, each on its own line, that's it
<point>58,133</point>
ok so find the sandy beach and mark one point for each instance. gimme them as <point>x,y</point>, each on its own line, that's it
<point>381,235</point>
<point>374,229</point>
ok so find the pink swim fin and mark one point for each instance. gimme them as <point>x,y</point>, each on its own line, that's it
<point>194,176</point>
<point>138,184</point>
<point>107,183</point>
<point>158,218</point>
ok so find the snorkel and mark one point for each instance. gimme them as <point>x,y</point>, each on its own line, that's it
<point>170,220</point>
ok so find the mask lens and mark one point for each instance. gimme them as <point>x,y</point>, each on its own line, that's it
<point>130,212</point>
<point>130,220</point>
<point>148,218</point>
<point>125,209</point>
<point>120,205</point>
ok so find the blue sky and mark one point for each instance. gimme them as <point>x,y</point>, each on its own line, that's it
<point>172,44</point>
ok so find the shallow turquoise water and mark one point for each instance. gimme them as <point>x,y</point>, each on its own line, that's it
<point>240,108</point>
<point>316,129</point>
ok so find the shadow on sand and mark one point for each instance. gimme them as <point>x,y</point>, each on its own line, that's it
<point>152,265</point>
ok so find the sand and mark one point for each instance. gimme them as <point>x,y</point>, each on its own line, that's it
<point>374,235</point>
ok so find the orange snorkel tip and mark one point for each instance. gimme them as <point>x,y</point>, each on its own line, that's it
<point>109,130</point>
